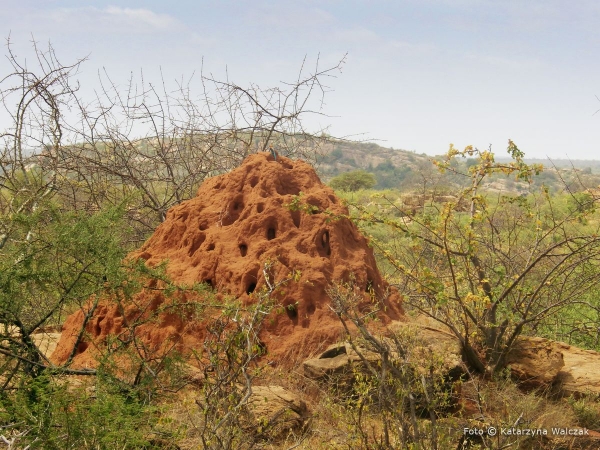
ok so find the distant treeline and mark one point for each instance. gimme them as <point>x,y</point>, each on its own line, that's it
<point>406,170</point>
<point>580,164</point>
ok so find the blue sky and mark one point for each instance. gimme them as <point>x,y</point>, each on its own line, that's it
<point>419,75</point>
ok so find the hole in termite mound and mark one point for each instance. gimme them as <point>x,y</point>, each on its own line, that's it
<point>323,246</point>
<point>196,243</point>
<point>296,218</point>
<point>243,249</point>
<point>250,281</point>
<point>291,310</point>
<point>287,188</point>
<point>232,211</point>
<point>82,347</point>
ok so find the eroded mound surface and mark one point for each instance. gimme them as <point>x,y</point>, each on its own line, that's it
<point>238,223</point>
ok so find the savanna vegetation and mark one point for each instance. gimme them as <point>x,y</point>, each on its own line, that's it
<point>488,263</point>
<point>82,184</point>
<point>452,245</point>
<point>491,249</point>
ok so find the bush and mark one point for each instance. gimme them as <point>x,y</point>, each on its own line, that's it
<point>353,181</point>
<point>491,271</point>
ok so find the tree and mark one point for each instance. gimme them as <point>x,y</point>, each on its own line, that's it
<point>144,145</point>
<point>353,181</point>
<point>498,269</point>
<point>80,184</point>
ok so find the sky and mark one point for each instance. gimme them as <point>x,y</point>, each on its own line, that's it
<point>418,75</point>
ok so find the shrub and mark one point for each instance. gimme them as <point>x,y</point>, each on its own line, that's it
<point>353,181</point>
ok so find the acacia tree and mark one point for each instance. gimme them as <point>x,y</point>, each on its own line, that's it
<point>354,181</point>
<point>498,269</point>
<point>145,144</point>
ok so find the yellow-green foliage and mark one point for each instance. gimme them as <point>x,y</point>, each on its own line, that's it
<point>485,262</point>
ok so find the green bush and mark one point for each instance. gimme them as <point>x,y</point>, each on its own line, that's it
<point>353,181</point>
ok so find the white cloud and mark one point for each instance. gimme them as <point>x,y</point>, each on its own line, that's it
<point>141,16</point>
<point>412,47</point>
<point>112,19</point>
<point>275,16</point>
<point>356,35</point>
<point>507,62</point>
<point>372,42</point>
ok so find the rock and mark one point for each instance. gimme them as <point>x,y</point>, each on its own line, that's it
<point>535,362</point>
<point>422,338</point>
<point>430,338</point>
<point>320,368</point>
<point>277,411</point>
<point>580,374</point>
<point>569,370</point>
<point>336,360</point>
<point>337,366</point>
<point>46,341</point>
<point>237,224</point>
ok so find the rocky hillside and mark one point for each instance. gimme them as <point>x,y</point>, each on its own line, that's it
<point>340,156</point>
<point>402,169</point>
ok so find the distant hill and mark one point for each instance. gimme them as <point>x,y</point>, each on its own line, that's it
<point>581,164</point>
<point>390,166</point>
<point>406,170</point>
<point>340,155</point>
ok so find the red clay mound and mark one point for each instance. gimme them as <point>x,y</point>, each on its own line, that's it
<point>224,236</point>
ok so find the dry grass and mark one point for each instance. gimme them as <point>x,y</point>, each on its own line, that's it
<point>333,421</point>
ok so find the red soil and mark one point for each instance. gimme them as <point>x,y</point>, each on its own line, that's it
<point>237,223</point>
